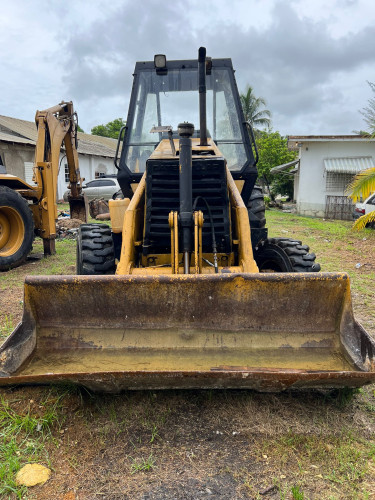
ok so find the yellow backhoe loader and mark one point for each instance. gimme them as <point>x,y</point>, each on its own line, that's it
<point>26,210</point>
<point>178,293</point>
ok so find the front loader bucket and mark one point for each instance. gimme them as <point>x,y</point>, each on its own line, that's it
<point>267,332</point>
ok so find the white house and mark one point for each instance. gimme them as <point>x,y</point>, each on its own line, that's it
<point>327,164</point>
<point>17,147</point>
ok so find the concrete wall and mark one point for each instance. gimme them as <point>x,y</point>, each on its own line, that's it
<point>88,165</point>
<point>311,183</point>
<point>14,157</point>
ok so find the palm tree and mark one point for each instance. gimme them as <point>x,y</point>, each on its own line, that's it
<point>363,184</point>
<point>253,113</point>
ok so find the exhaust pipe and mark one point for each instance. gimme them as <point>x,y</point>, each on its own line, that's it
<point>185,131</point>
<point>202,95</point>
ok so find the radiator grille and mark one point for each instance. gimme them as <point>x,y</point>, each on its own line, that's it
<point>162,196</point>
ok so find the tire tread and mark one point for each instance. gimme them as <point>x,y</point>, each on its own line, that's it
<point>287,253</point>
<point>95,251</point>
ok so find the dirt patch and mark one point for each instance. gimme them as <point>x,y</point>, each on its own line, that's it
<point>66,223</point>
<point>203,444</point>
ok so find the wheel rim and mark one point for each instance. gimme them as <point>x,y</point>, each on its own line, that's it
<point>12,231</point>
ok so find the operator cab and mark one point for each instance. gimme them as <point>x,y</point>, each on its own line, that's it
<point>166,94</point>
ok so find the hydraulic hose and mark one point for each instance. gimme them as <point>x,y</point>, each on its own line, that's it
<point>214,248</point>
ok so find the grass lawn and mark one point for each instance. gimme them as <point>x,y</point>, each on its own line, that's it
<point>196,444</point>
<point>338,248</point>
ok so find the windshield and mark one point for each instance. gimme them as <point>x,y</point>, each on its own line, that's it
<point>167,100</point>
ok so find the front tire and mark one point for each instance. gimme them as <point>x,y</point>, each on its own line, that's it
<point>16,229</point>
<point>257,216</point>
<point>285,255</point>
<point>95,251</point>
<point>257,208</point>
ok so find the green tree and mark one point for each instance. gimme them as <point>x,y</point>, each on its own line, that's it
<point>283,184</point>
<point>273,151</point>
<point>111,129</point>
<point>252,109</point>
<point>80,129</point>
<point>362,186</point>
<point>368,112</point>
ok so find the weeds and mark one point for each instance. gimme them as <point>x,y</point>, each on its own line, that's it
<point>142,465</point>
<point>154,433</point>
<point>6,326</point>
<point>283,491</point>
<point>343,458</point>
<point>297,494</point>
<point>22,438</point>
<point>13,423</point>
<point>344,396</point>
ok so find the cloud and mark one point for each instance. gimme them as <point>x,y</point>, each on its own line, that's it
<point>303,57</point>
<point>102,58</point>
<point>294,62</point>
<point>298,66</point>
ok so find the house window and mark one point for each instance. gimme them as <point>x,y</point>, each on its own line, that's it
<point>336,181</point>
<point>66,173</point>
<point>3,170</point>
<point>100,170</point>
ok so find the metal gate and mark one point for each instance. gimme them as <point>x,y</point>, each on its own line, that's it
<point>339,207</point>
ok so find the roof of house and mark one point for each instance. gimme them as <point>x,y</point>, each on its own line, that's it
<point>326,138</point>
<point>25,132</point>
<point>21,128</point>
<point>13,138</point>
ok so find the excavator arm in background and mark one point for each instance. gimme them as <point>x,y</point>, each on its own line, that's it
<point>27,210</point>
<point>56,126</point>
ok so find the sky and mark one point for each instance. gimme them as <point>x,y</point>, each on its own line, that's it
<point>309,59</point>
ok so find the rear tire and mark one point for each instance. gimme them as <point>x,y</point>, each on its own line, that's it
<point>16,229</point>
<point>285,255</point>
<point>95,251</point>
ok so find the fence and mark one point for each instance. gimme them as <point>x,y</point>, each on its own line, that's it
<point>339,207</point>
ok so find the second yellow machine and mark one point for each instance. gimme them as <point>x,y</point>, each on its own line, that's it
<point>178,293</point>
<point>28,210</point>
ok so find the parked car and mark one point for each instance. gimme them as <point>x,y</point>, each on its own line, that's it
<point>364,207</point>
<point>103,187</point>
